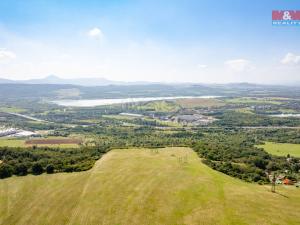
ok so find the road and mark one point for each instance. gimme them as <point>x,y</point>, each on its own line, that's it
<point>26,117</point>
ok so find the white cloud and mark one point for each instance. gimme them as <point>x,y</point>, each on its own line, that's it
<point>291,59</point>
<point>95,33</point>
<point>6,56</point>
<point>239,65</point>
<point>201,66</point>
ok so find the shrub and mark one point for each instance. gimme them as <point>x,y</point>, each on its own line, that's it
<point>5,170</point>
<point>50,169</point>
<point>21,170</point>
<point>37,169</point>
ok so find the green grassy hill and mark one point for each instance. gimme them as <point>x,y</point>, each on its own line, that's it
<point>282,149</point>
<point>142,186</point>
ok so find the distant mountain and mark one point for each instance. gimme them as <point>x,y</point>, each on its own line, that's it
<point>52,79</point>
<point>37,91</point>
<point>6,81</point>
<point>93,81</point>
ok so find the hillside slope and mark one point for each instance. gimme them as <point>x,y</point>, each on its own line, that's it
<point>142,186</point>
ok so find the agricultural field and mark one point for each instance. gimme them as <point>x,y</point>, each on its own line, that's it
<point>132,120</point>
<point>12,142</point>
<point>200,103</point>
<point>145,186</point>
<point>11,109</point>
<point>159,106</point>
<point>282,149</point>
<point>249,100</point>
<point>244,110</point>
<point>41,142</point>
<point>118,117</point>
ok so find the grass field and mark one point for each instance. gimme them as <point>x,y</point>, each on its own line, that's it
<point>140,186</point>
<point>41,142</point>
<point>159,106</point>
<point>248,100</point>
<point>244,110</point>
<point>120,117</point>
<point>11,142</point>
<point>200,102</point>
<point>12,110</point>
<point>282,149</point>
<point>159,122</point>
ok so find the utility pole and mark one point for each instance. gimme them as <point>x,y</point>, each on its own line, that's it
<point>273,183</point>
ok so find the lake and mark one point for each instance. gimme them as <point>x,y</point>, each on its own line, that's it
<point>102,102</point>
<point>286,115</point>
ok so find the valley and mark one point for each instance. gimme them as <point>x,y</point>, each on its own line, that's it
<point>158,160</point>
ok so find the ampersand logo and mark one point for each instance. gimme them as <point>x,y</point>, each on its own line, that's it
<point>286,15</point>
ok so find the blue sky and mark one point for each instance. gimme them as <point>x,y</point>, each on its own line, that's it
<point>173,41</point>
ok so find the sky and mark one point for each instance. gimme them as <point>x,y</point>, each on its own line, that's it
<point>201,41</point>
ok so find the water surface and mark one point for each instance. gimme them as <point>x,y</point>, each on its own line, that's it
<point>284,115</point>
<point>102,102</point>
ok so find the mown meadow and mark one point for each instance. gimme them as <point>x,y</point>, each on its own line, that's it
<point>145,186</point>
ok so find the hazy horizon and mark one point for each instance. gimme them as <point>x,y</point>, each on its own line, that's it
<point>116,82</point>
<point>132,41</point>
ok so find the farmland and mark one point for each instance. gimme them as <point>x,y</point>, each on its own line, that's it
<point>11,142</point>
<point>53,141</point>
<point>40,142</point>
<point>198,102</point>
<point>282,149</point>
<point>143,186</point>
<point>11,109</point>
<point>275,101</point>
<point>162,106</point>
